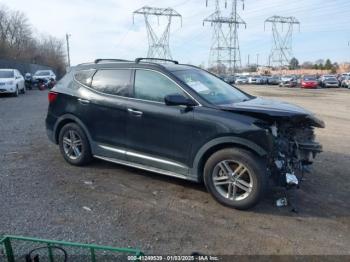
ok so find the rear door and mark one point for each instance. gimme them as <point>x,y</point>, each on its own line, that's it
<point>158,135</point>
<point>103,109</point>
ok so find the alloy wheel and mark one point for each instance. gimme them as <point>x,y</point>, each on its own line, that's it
<point>232,180</point>
<point>72,144</point>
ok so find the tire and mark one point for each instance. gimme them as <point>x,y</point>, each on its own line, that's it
<point>16,93</point>
<point>23,90</point>
<point>69,135</point>
<point>249,168</point>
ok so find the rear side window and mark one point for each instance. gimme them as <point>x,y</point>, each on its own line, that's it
<point>153,86</point>
<point>84,76</point>
<point>113,82</point>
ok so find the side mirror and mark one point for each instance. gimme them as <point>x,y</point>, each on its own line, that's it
<point>178,100</point>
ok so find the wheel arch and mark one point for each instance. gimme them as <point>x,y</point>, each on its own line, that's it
<point>220,143</point>
<point>69,118</point>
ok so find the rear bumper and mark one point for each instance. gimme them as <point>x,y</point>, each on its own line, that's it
<point>50,124</point>
<point>309,86</point>
<point>331,85</point>
<point>50,135</point>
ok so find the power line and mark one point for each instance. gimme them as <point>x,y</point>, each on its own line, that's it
<point>158,46</point>
<point>224,51</point>
<point>281,52</point>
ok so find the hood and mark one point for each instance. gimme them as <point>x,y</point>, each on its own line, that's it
<point>5,80</point>
<point>273,110</point>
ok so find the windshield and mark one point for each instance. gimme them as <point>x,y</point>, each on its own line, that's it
<point>42,73</point>
<point>331,79</point>
<point>6,74</point>
<point>211,88</point>
<point>309,78</point>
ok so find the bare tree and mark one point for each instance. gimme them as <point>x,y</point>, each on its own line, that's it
<point>18,42</point>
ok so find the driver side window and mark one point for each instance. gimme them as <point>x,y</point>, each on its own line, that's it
<point>153,86</point>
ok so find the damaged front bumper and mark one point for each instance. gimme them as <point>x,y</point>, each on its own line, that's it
<point>293,154</point>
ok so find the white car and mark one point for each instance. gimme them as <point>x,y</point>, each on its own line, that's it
<point>11,82</point>
<point>241,80</point>
<point>44,74</point>
<point>256,79</point>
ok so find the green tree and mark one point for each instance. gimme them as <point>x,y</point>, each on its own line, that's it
<point>328,65</point>
<point>294,63</point>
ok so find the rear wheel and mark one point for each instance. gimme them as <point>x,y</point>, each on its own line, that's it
<point>235,178</point>
<point>74,145</point>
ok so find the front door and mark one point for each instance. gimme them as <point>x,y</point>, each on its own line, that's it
<point>158,135</point>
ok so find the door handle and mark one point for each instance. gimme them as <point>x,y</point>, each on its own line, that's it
<point>83,101</point>
<point>135,112</point>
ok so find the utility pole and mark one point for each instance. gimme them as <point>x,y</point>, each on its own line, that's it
<point>68,54</point>
<point>281,52</point>
<point>224,50</point>
<point>248,60</point>
<point>257,60</point>
<point>158,46</point>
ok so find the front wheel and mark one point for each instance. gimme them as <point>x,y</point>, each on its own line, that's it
<point>74,145</point>
<point>236,178</point>
<point>16,93</point>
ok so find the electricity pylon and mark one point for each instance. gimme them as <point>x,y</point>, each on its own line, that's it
<point>224,50</point>
<point>281,52</point>
<point>158,46</point>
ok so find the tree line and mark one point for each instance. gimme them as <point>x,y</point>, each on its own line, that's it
<point>319,64</point>
<point>18,42</point>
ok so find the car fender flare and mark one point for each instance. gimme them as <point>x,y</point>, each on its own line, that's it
<point>73,118</point>
<point>220,141</point>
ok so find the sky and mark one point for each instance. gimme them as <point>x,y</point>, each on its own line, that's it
<point>105,28</point>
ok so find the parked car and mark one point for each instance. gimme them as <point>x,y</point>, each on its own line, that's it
<point>11,82</point>
<point>264,79</point>
<point>273,80</point>
<point>256,79</point>
<point>330,81</point>
<point>241,80</point>
<point>309,82</point>
<point>288,80</point>
<point>182,121</point>
<point>346,82</point>
<point>229,79</point>
<point>323,77</point>
<point>45,75</point>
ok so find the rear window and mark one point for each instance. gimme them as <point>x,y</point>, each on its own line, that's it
<point>113,82</point>
<point>84,76</point>
<point>331,79</point>
<point>309,78</point>
<point>6,74</point>
<point>42,73</point>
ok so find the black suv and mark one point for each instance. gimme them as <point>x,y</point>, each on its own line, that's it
<point>181,121</point>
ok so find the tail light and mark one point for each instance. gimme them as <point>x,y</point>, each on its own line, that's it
<point>52,96</point>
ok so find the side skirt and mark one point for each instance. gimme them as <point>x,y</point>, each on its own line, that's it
<point>147,168</point>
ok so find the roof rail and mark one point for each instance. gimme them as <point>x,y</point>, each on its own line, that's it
<point>138,60</point>
<point>110,60</point>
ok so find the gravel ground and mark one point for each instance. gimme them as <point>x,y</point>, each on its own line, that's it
<point>42,196</point>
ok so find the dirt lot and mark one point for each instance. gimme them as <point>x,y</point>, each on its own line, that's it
<point>42,196</point>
